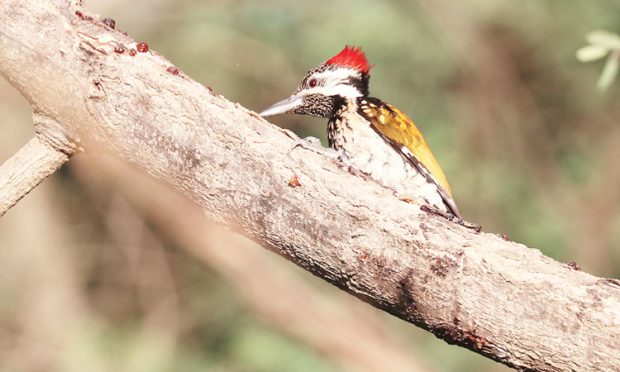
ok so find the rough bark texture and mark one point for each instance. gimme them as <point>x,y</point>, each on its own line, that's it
<point>498,298</point>
<point>43,155</point>
<point>281,298</point>
<point>25,170</point>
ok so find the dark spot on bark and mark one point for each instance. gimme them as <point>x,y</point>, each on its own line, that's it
<point>406,303</point>
<point>363,255</point>
<point>192,158</point>
<point>441,266</point>
<point>573,265</point>
<point>109,22</point>
<point>476,342</point>
<point>98,92</point>
<point>454,335</point>
<point>380,262</point>
<point>82,16</point>
<point>173,70</point>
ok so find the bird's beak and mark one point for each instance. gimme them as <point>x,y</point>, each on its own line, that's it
<point>283,106</point>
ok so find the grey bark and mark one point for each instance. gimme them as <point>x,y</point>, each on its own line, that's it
<point>47,151</point>
<point>23,171</point>
<point>497,298</point>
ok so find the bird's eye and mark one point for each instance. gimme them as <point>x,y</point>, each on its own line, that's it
<point>312,83</point>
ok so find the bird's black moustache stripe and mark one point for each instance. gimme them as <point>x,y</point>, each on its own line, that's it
<point>338,102</point>
<point>360,83</point>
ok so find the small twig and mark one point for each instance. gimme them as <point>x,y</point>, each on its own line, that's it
<point>34,162</point>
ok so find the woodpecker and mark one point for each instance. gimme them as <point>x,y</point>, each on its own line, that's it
<point>374,137</point>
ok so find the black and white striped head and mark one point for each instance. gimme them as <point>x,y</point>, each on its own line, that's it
<point>328,86</point>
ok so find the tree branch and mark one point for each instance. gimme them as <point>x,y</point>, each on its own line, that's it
<point>280,298</point>
<point>498,298</point>
<point>37,160</point>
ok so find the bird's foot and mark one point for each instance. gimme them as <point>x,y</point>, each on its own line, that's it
<point>345,163</point>
<point>450,217</point>
<point>469,225</point>
<point>437,212</point>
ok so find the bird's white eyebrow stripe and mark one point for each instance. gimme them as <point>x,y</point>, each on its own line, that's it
<point>343,90</point>
<point>341,74</point>
<point>334,82</point>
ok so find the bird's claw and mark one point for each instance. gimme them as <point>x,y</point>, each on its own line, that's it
<point>437,212</point>
<point>452,218</point>
<point>469,225</point>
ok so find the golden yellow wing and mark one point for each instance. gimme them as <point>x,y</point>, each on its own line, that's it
<point>396,127</point>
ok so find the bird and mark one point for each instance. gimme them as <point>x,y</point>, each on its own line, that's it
<point>372,136</point>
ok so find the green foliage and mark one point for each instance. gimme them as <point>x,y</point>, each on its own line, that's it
<point>262,350</point>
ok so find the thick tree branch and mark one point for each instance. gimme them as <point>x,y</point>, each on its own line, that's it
<point>281,298</point>
<point>498,298</point>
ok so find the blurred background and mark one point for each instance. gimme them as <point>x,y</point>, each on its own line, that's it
<point>95,276</point>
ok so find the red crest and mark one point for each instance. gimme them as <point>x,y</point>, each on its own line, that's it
<point>350,57</point>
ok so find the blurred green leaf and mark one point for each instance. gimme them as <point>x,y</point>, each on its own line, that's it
<point>258,349</point>
<point>610,71</point>
<point>605,39</point>
<point>591,53</point>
